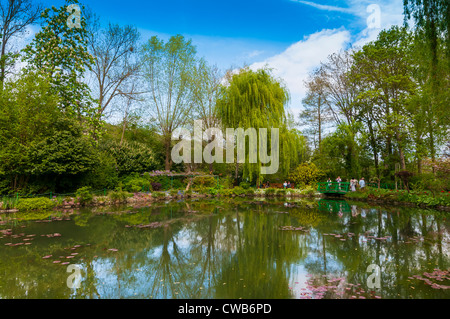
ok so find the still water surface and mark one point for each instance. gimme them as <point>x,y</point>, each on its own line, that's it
<point>240,248</point>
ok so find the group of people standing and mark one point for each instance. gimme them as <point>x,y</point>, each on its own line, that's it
<point>353,183</point>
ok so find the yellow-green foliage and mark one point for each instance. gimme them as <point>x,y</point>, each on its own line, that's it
<point>306,174</point>
<point>35,204</point>
<point>204,181</point>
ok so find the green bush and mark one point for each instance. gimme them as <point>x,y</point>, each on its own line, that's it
<point>159,195</point>
<point>173,193</point>
<point>213,191</point>
<point>130,156</point>
<point>226,182</point>
<point>35,204</point>
<point>357,195</point>
<point>238,191</point>
<point>245,185</point>
<point>84,195</point>
<point>270,191</point>
<point>134,183</point>
<point>423,182</point>
<point>118,196</point>
<point>308,191</point>
<point>249,192</point>
<point>204,181</point>
<point>104,175</point>
<point>225,192</point>
<point>306,174</point>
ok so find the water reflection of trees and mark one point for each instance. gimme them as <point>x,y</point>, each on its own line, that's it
<point>227,249</point>
<point>414,244</point>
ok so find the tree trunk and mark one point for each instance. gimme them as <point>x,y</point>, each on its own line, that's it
<point>168,161</point>
<point>375,149</point>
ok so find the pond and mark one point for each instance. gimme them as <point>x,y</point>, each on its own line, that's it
<point>227,249</point>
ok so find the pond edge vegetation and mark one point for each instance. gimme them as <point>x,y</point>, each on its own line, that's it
<point>85,198</point>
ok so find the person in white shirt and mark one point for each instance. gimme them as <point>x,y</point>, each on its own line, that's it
<point>362,183</point>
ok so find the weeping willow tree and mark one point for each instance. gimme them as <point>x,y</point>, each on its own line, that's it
<point>256,100</point>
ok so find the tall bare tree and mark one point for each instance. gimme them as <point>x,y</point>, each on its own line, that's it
<point>340,91</point>
<point>116,65</point>
<point>317,112</point>
<point>15,17</point>
<point>207,81</point>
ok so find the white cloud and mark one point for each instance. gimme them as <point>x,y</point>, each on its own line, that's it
<point>325,7</point>
<point>254,53</point>
<point>297,61</point>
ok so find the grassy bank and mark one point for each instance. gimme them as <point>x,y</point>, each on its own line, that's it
<point>440,200</point>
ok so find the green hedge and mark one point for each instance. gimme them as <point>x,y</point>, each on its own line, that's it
<point>35,204</point>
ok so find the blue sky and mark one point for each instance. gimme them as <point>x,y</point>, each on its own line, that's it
<point>291,36</point>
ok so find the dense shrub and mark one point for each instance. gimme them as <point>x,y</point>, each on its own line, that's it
<point>422,182</point>
<point>245,185</point>
<point>308,191</point>
<point>249,192</point>
<point>159,195</point>
<point>425,198</point>
<point>306,174</point>
<point>131,157</point>
<point>104,175</point>
<point>270,191</point>
<point>35,204</point>
<point>238,191</point>
<point>204,181</point>
<point>136,185</point>
<point>84,195</point>
<point>118,196</point>
<point>225,192</point>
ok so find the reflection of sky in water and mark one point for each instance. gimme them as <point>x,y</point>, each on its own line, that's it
<point>146,281</point>
<point>224,255</point>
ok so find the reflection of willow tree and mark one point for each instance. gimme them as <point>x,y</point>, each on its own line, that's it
<point>263,258</point>
<point>197,253</point>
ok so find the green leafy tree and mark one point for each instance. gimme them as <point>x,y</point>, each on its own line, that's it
<point>42,148</point>
<point>382,69</point>
<point>130,157</point>
<point>306,174</point>
<point>255,99</point>
<point>168,69</point>
<point>341,152</point>
<point>60,52</point>
<point>27,114</point>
